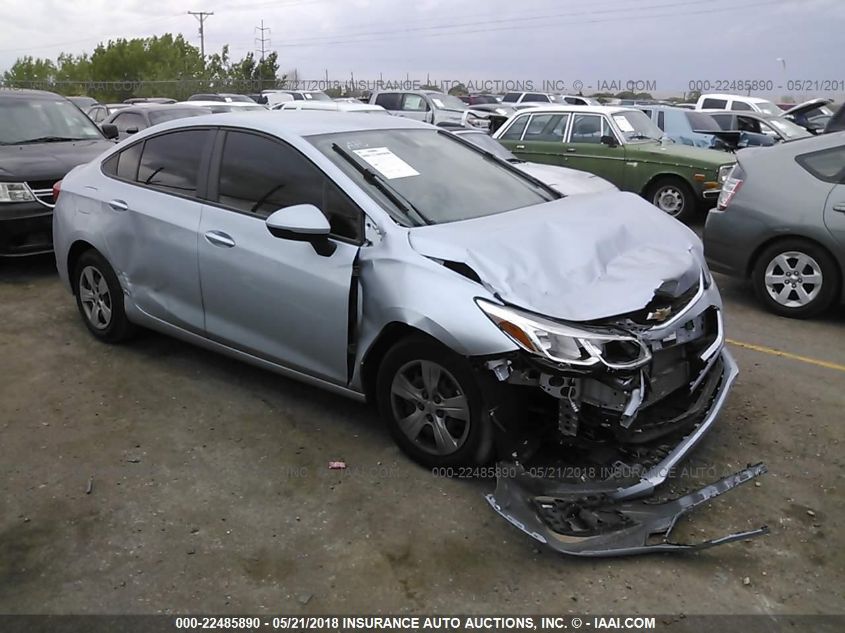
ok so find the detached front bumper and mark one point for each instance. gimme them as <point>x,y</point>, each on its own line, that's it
<point>599,518</point>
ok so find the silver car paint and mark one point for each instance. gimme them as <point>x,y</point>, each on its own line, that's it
<point>399,284</point>
<point>568,181</point>
<point>578,259</point>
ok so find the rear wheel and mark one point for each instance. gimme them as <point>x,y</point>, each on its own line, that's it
<point>99,298</point>
<point>674,197</point>
<point>432,404</point>
<point>796,278</point>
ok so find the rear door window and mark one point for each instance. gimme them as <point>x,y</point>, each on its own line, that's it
<point>547,127</point>
<point>171,162</point>
<point>717,104</point>
<point>389,100</point>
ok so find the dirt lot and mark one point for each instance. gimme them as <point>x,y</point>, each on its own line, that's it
<point>211,491</point>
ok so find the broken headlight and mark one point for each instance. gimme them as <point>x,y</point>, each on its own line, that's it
<point>15,192</point>
<point>569,344</point>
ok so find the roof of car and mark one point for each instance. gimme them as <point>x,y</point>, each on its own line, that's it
<point>20,93</point>
<point>600,109</point>
<point>300,122</point>
<point>724,95</point>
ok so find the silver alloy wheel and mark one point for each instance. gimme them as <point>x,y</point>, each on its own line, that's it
<point>430,407</point>
<point>95,297</point>
<point>669,199</point>
<point>793,279</point>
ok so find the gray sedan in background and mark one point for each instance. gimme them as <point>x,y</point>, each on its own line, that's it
<point>780,221</point>
<point>386,260</point>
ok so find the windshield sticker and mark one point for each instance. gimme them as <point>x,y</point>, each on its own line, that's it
<point>386,162</point>
<point>437,102</point>
<point>623,123</point>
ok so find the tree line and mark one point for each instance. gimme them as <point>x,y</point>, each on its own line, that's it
<point>161,66</point>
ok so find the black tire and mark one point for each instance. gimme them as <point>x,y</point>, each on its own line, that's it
<point>819,262</point>
<point>116,328</point>
<point>476,439</point>
<point>672,188</point>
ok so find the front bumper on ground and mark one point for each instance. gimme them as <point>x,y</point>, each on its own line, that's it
<point>25,229</point>
<point>597,518</point>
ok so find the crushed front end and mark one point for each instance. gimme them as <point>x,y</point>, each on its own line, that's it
<point>593,415</point>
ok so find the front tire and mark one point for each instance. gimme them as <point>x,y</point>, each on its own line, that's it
<point>99,299</point>
<point>431,401</point>
<point>674,197</point>
<point>796,278</point>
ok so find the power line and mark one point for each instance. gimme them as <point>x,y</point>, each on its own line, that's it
<point>263,42</point>
<point>201,16</point>
<point>511,24</point>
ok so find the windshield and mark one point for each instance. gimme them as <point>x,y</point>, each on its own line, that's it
<point>636,126</point>
<point>228,107</point>
<point>768,107</point>
<point>429,172</point>
<point>34,120</point>
<point>488,143</point>
<point>702,122</point>
<point>316,96</point>
<point>446,102</point>
<point>237,98</point>
<point>160,116</point>
<point>787,128</point>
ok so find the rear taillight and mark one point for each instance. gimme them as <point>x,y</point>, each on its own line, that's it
<point>732,185</point>
<point>57,189</point>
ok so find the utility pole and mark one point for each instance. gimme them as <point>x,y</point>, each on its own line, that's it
<point>201,16</point>
<point>262,42</point>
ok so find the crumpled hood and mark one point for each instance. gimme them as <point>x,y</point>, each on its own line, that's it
<point>577,259</point>
<point>46,161</point>
<point>568,181</point>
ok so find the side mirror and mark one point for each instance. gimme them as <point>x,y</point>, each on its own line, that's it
<point>302,223</point>
<point>109,130</point>
<point>609,141</point>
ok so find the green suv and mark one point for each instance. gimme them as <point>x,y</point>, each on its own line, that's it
<point>623,146</point>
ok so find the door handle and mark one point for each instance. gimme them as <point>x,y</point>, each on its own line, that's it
<point>570,150</point>
<point>118,205</point>
<point>520,147</point>
<point>839,207</point>
<point>219,238</point>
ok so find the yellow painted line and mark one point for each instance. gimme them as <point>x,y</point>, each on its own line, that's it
<point>776,352</point>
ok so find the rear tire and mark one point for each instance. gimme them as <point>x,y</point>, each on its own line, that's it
<point>674,197</point>
<point>99,299</point>
<point>796,278</point>
<point>433,406</point>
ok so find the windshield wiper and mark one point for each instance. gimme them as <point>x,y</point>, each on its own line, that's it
<point>508,163</point>
<point>47,139</point>
<point>378,181</point>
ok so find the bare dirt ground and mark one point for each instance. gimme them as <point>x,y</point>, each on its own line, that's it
<point>210,491</point>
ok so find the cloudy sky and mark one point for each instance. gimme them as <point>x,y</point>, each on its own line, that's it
<point>669,42</point>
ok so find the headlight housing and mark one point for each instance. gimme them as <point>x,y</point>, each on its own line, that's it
<point>567,344</point>
<point>15,192</point>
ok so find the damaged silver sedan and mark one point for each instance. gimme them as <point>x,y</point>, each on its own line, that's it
<point>579,340</point>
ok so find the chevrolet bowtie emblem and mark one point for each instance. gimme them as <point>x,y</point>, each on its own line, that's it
<point>661,314</point>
